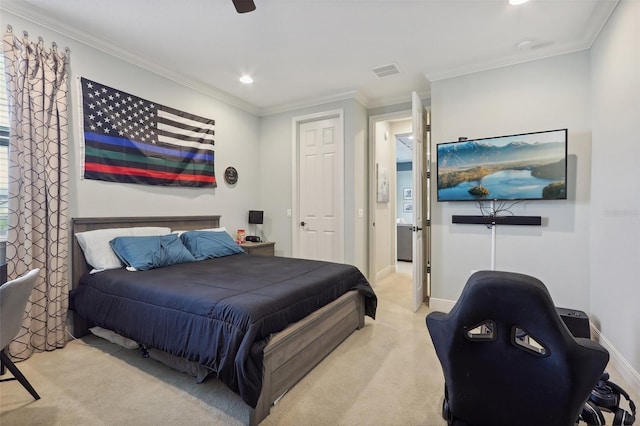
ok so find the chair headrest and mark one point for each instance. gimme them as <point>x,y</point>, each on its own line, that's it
<point>522,299</point>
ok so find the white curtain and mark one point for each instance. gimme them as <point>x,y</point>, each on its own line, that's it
<point>37,91</point>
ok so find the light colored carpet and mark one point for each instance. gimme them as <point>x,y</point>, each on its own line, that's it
<point>384,374</point>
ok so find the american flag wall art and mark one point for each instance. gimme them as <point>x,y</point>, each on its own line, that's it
<point>128,139</point>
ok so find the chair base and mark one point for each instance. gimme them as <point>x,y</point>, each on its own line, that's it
<point>17,375</point>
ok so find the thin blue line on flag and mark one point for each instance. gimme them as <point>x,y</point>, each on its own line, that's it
<point>113,140</point>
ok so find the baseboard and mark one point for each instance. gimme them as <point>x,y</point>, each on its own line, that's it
<point>385,272</point>
<point>441,305</point>
<point>628,373</point>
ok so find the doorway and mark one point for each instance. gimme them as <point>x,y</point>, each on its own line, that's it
<point>392,156</point>
<point>387,210</point>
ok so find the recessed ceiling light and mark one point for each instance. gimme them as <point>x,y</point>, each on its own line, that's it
<point>517,2</point>
<point>246,79</point>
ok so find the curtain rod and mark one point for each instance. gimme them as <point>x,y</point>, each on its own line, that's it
<point>25,33</point>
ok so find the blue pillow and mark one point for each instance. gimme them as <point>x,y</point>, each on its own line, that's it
<point>143,253</point>
<point>207,245</point>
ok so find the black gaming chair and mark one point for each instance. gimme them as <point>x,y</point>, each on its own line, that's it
<point>508,358</point>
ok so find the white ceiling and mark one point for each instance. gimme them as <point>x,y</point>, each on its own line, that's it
<point>404,148</point>
<point>301,52</point>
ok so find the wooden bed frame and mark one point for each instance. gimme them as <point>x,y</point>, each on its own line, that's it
<point>289,355</point>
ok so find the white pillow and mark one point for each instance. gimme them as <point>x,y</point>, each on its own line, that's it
<point>222,229</point>
<point>96,248</point>
<point>149,231</point>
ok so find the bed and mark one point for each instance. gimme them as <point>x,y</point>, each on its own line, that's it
<point>258,349</point>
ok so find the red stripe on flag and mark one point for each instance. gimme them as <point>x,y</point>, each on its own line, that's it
<point>94,167</point>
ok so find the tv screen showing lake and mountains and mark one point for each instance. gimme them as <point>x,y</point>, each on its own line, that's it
<point>531,166</point>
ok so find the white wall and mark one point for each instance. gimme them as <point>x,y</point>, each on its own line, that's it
<point>615,204</point>
<point>542,95</point>
<point>357,185</point>
<point>276,171</point>
<point>237,142</point>
<point>588,248</point>
<point>384,214</point>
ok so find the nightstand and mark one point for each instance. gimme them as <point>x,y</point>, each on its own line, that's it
<point>265,248</point>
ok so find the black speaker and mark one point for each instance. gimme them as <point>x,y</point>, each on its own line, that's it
<point>498,220</point>
<point>576,321</point>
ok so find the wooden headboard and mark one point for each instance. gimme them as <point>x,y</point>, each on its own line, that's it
<point>79,265</point>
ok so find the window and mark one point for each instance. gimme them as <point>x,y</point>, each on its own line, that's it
<point>4,160</point>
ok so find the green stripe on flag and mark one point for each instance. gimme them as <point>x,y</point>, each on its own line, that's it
<point>130,159</point>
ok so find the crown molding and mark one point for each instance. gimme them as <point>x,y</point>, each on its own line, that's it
<point>504,62</point>
<point>35,15</point>
<point>356,95</point>
<point>308,103</point>
<point>599,18</point>
<point>397,99</point>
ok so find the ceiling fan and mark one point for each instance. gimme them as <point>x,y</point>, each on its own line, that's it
<point>244,6</point>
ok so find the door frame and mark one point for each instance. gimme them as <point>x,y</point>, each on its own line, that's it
<point>295,175</point>
<point>373,120</point>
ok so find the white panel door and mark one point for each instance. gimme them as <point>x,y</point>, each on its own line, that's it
<point>419,226</point>
<point>320,182</point>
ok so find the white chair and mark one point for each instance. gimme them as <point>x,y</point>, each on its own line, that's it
<point>14,296</point>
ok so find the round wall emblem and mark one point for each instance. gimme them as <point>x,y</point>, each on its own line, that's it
<point>231,175</point>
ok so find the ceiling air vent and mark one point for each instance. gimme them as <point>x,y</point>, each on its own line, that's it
<point>386,70</point>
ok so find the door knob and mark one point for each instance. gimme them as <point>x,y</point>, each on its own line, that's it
<point>302,223</point>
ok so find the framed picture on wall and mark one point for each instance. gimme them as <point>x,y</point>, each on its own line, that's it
<point>383,184</point>
<point>407,193</point>
<point>407,207</point>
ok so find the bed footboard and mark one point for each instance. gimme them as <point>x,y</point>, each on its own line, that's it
<point>295,351</point>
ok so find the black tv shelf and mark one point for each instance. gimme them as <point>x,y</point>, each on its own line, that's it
<point>498,220</point>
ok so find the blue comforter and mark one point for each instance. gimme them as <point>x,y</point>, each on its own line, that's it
<point>218,312</point>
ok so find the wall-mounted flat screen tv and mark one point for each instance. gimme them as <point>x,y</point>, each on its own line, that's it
<point>528,166</point>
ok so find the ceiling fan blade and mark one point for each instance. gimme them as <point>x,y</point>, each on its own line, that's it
<point>244,6</point>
